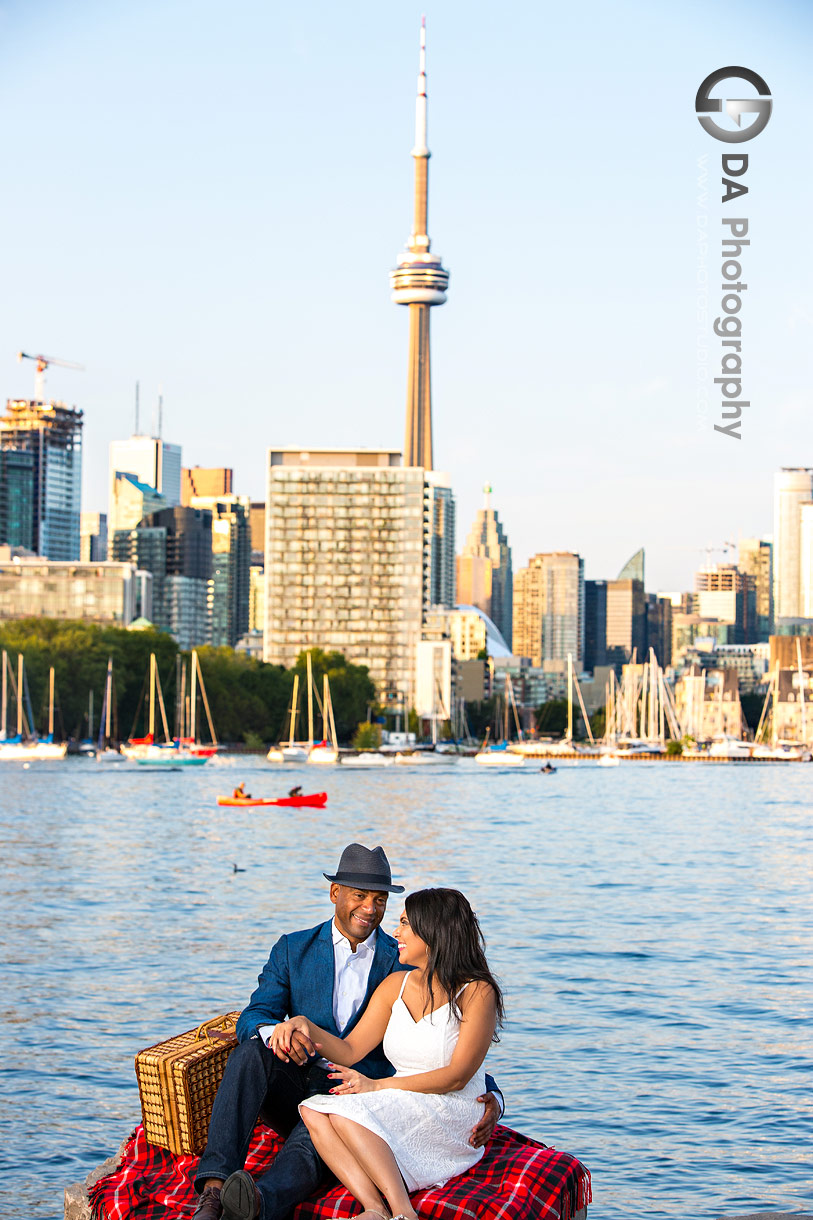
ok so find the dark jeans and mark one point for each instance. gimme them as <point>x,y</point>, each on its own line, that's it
<point>256,1084</point>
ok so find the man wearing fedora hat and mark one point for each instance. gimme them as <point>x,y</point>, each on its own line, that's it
<point>330,972</point>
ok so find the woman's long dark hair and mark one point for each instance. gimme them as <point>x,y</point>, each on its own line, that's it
<point>445,920</point>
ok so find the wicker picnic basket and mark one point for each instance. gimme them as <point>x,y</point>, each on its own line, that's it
<point>177,1082</point>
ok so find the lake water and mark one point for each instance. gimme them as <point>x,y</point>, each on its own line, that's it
<point>652,924</point>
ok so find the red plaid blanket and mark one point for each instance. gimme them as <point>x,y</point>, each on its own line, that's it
<point>516,1179</point>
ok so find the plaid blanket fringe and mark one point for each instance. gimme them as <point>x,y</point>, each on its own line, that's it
<point>516,1179</point>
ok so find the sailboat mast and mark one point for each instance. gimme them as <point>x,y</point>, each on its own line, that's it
<point>108,698</point>
<point>326,709</point>
<point>51,703</point>
<point>310,701</point>
<point>294,700</point>
<point>152,698</point>
<point>801,688</point>
<point>193,704</point>
<point>4,697</point>
<point>570,696</point>
<point>19,694</point>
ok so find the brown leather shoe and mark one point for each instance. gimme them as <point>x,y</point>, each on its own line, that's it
<point>239,1197</point>
<point>209,1206</point>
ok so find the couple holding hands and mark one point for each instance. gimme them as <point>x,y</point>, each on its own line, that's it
<point>363,1051</point>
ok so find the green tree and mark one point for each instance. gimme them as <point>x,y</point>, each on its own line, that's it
<point>79,652</point>
<point>551,717</point>
<point>480,715</point>
<point>367,736</point>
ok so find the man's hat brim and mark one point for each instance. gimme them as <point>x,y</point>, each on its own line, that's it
<point>365,881</point>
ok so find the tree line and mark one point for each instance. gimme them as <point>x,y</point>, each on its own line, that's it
<point>249,700</point>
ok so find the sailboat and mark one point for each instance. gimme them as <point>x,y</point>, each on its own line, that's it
<point>25,746</point>
<point>325,751</point>
<point>105,751</point>
<point>87,746</point>
<point>431,755</point>
<point>190,742</point>
<point>502,754</point>
<point>293,752</point>
<point>144,750</point>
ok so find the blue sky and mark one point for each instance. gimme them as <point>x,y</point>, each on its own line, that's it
<point>208,199</point>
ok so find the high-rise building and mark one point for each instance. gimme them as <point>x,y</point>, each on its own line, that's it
<point>344,560</point>
<point>595,624</point>
<point>175,545</point>
<point>724,593</point>
<point>231,563</point>
<point>549,609</point>
<point>793,486</point>
<point>52,432</point>
<point>755,557</point>
<point>473,581</point>
<point>105,593</point>
<point>17,491</point>
<point>806,560</point>
<point>659,627</point>
<point>626,622</point>
<point>93,537</point>
<point>256,599</point>
<point>419,281</point>
<point>152,461</point>
<point>131,501</point>
<point>633,569</point>
<point>205,481</point>
<point>439,543</point>
<point>257,526</point>
<point>487,540</point>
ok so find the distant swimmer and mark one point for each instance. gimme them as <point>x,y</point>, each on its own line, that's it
<point>547,769</point>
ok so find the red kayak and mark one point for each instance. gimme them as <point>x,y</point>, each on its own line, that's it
<point>312,800</point>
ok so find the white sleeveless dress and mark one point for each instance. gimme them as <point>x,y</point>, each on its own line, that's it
<point>427,1132</point>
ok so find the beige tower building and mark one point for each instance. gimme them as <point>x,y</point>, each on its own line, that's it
<point>344,560</point>
<point>793,487</point>
<point>549,609</point>
<point>490,591</point>
<point>419,281</point>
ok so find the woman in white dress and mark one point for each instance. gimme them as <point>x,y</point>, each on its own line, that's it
<point>385,1138</point>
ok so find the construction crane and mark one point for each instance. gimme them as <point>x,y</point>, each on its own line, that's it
<point>42,363</point>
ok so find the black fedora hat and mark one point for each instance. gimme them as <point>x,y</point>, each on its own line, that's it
<point>365,870</point>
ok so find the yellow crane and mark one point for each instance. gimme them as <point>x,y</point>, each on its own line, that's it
<point>42,363</point>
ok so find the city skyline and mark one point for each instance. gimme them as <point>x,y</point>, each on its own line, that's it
<point>186,236</point>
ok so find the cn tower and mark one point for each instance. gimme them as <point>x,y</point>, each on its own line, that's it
<point>419,281</point>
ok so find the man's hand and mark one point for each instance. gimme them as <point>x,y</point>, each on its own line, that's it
<point>482,1133</point>
<point>291,1041</point>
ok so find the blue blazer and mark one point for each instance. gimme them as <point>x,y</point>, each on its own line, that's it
<point>298,979</point>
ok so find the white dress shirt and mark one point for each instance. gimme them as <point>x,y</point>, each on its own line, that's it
<point>351,974</point>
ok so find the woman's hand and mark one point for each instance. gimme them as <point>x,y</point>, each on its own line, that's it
<point>291,1040</point>
<point>351,1081</point>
